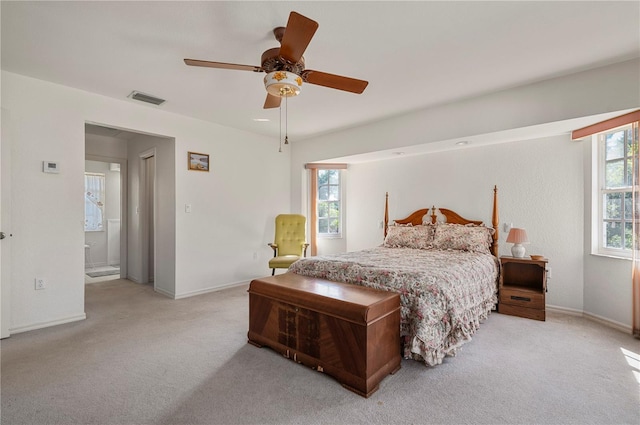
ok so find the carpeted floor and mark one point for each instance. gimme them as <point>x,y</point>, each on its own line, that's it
<point>141,358</point>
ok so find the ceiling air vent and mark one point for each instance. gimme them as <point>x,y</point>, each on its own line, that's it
<point>146,98</point>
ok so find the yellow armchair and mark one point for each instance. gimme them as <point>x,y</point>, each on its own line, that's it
<point>289,243</point>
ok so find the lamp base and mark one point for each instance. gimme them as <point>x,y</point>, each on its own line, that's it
<point>517,250</point>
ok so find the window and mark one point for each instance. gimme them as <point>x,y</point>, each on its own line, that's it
<point>617,161</point>
<point>94,184</point>
<point>328,203</point>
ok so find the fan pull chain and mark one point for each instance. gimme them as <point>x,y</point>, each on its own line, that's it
<point>280,136</point>
<point>286,120</point>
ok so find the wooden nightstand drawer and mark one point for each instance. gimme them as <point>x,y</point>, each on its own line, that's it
<point>529,313</point>
<point>522,298</point>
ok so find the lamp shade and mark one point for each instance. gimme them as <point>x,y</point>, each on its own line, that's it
<point>517,235</point>
<point>283,83</point>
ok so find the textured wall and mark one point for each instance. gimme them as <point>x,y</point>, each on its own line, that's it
<point>539,191</point>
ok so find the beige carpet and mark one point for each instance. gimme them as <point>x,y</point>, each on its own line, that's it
<point>141,358</point>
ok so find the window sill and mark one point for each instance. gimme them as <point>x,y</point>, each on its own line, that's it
<point>329,236</point>
<point>616,257</point>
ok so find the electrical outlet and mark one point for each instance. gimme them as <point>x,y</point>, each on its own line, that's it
<point>40,283</point>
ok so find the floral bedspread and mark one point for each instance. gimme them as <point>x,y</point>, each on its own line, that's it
<point>444,295</point>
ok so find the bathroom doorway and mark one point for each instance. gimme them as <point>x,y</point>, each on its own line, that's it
<point>103,215</point>
<point>105,244</point>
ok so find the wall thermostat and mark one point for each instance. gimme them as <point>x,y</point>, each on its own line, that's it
<point>50,167</point>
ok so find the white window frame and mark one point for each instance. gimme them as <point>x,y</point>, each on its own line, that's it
<point>337,235</point>
<point>599,192</point>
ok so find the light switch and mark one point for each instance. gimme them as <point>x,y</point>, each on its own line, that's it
<point>187,208</point>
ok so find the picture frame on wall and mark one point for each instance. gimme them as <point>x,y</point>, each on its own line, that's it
<point>198,161</point>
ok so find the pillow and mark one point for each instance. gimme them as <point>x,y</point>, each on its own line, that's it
<point>417,237</point>
<point>463,238</point>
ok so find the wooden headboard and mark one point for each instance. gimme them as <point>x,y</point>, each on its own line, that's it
<point>417,218</point>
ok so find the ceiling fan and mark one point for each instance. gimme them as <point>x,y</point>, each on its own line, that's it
<point>285,66</point>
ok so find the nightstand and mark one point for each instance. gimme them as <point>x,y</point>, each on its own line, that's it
<point>523,283</point>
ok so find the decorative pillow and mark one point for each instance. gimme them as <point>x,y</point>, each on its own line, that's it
<point>463,238</point>
<point>417,237</point>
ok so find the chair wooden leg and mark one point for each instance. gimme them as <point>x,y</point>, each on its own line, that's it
<point>273,272</point>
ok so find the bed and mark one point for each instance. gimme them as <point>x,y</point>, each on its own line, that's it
<point>444,267</point>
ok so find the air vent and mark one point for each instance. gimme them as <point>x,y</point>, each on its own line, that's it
<point>146,98</point>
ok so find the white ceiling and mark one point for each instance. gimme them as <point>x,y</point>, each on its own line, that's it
<point>414,54</point>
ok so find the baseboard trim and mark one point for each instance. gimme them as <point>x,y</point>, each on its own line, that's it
<point>40,325</point>
<point>565,310</point>
<point>165,293</point>
<point>594,317</point>
<point>207,290</point>
<point>608,322</point>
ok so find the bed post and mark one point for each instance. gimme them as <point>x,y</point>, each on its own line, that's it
<point>386,213</point>
<point>495,221</point>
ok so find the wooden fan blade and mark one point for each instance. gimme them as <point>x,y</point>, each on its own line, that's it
<point>223,65</point>
<point>334,81</point>
<point>272,101</point>
<point>297,36</point>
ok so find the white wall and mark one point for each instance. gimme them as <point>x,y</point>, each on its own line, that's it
<point>224,238</point>
<point>464,177</point>
<point>546,199</point>
<point>607,281</point>
<point>104,146</point>
<point>607,89</point>
<point>234,205</point>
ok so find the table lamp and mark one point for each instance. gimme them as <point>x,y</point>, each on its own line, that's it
<point>517,237</point>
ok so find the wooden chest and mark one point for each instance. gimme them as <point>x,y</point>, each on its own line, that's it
<point>347,331</point>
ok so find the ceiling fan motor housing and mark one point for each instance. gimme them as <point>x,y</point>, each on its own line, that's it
<point>272,61</point>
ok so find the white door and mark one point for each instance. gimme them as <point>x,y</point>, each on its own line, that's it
<point>147,217</point>
<point>5,225</point>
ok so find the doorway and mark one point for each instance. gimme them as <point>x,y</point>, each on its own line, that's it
<point>103,219</point>
<point>106,248</point>
<point>148,250</point>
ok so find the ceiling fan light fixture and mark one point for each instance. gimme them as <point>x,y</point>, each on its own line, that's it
<point>283,83</point>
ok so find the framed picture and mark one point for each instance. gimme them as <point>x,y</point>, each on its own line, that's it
<point>198,161</point>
